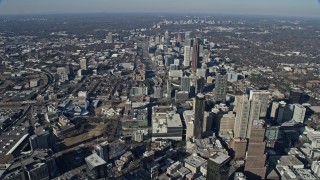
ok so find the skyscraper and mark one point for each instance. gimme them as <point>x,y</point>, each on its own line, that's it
<point>296,96</point>
<point>185,83</point>
<point>195,55</point>
<point>256,158</point>
<point>109,38</point>
<point>221,83</point>
<point>263,97</point>
<point>247,112</point>
<point>179,38</point>
<point>102,150</point>
<point>199,107</point>
<point>218,167</point>
<point>83,64</point>
<point>187,38</point>
<point>242,116</point>
<point>186,59</point>
<point>299,113</point>
<point>169,88</point>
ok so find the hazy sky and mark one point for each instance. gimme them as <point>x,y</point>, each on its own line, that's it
<point>263,7</point>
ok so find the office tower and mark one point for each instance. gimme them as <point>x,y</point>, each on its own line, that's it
<point>102,150</point>
<point>218,167</point>
<point>96,167</point>
<point>62,74</point>
<point>242,116</point>
<point>179,38</point>
<point>168,60</point>
<point>181,96</point>
<point>263,97</point>
<point>186,58</point>
<point>254,115</point>
<point>83,64</point>
<point>185,83</point>
<point>199,107</point>
<point>109,38</point>
<point>38,171</point>
<point>157,92</point>
<point>274,109</point>
<point>207,123</point>
<point>247,112</point>
<point>188,116</point>
<point>281,112</point>
<point>299,113</point>
<point>169,88</point>
<point>195,55</point>
<point>167,38</point>
<point>239,148</point>
<point>226,122</point>
<point>296,96</point>
<point>221,84</point>
<point>166,34</point>
<point>40,141</point>
<point>200,82</point>
<point>201,48</point>
<point>256,158</point>
<point>187,39</point>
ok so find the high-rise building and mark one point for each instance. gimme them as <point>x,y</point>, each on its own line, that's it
<point>102,150</point>
<point>187,38</point>
<point>263,97</point>
<point>281,112</point>
<point>239,147</point>
<point>96,167</point>
<point>109,38</point>
<point>186,58</point>
<point>207,123</point>
<point>256,157</point>
<point>254,115</point>
<point>242,116</point>
<point>62,74</point>
<point>179,38</point>
<point>169,88</point>
<point>226,122</point>
<point>247,112</point>
<point>157,92</point>
<point>296,96</point>
<point>189,119</point>
<point>185,83</point>
<point>218,167</point>
<point>195,55</point>
<point>274,109</point>
<point>83,64</point>
<point>221,84</point>
<point>166,34</point>
<point>199,85</point>
<point>199,107</point>
<point>167,38</point>
<point>40,141</point>
<point>299,113</point>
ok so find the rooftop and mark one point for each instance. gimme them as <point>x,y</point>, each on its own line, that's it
<point>220,158</point>
<point>195,160</point>
<point>94,161</point>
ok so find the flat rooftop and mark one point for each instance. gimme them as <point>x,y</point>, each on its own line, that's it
<point>195,160</point>
<point>220,158</point>
<point>94,161</point>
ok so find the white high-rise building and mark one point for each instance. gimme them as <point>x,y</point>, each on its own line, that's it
<point>83,64</point>
<point>263,97</point>
<point>247,112</point>
<point>187,55</point>
<point>299,113</point>
<point>242,116</point>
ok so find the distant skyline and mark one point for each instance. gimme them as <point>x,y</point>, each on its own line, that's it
<point>303,8</point>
